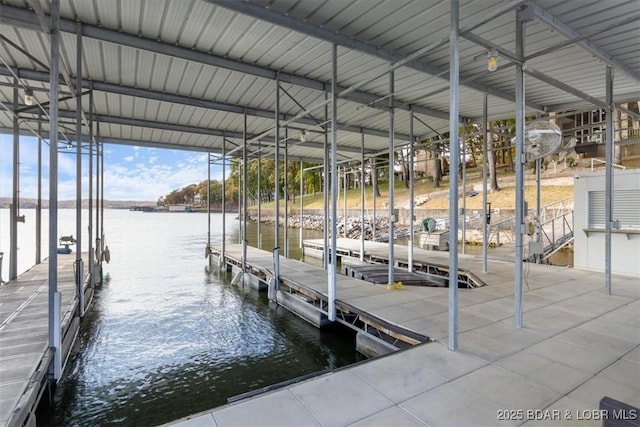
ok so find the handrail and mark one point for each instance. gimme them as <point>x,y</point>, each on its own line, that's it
<point>556,240</point>
<point>502,226</point>
<point>615,165</point>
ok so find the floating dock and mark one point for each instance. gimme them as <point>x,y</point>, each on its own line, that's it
<point>379,274</point>
<point>577,346</point>
<point>303,290</point>
<point>25,356</point>
<point>433,264</point>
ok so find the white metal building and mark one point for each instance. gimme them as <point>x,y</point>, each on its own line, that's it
<point>589,222</point>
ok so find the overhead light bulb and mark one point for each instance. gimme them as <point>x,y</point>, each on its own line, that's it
<point>303,136</point>
<point>28,96</point>
<point>69,146</point>
<point>492,63</point>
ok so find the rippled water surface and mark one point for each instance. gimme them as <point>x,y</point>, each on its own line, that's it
<point>165,338</point>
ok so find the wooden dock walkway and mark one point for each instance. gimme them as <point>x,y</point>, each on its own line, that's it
<point>577,346</point>
<point>24,346</point>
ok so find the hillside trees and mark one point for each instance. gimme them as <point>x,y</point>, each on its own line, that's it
<point>264,193</point>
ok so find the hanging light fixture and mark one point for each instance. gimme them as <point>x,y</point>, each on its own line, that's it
<point>28,96</point>
<point>69,145</point>
<point>492,62</point>
<point>303,136</point>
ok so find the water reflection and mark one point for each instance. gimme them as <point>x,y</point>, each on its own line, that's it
<point>165,339</point>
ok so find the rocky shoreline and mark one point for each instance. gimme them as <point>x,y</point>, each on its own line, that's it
<point>353,225</point>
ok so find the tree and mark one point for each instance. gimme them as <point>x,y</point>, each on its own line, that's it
<point>374,177</point>
<point>215,192</point>
<point>404,155</point>
<point>491,164</point>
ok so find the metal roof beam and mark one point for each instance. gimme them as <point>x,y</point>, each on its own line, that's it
<point>544,16</point>
<point>534,73</point>
<point>577,105</point>
<point>627,20</point>
<point>287,21</point>
<point>128,121</point>
<point>194,102</point>
<point>565,87</point>
<point>16,16</point>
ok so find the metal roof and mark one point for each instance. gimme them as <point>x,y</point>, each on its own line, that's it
<point>182,73</point>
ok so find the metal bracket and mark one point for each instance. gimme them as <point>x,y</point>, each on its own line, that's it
<point>526,13</point>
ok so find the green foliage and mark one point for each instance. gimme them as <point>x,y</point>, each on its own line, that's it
<point>570,161</point>
<point>312,183</point>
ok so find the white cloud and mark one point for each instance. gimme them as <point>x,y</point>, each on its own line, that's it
<point>148,183</point>
<point>126,177</point>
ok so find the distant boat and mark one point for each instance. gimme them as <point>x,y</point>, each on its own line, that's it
<point>180,208</point>
<point>144,208</point>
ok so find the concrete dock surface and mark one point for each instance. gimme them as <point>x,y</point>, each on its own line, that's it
<point>577,346</point>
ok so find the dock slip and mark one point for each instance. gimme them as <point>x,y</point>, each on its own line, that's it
<point>433,264</point>
<point>577,346</point>
<point>25,355</point>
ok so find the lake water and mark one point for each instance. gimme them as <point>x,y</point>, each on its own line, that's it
<point>165,338</point>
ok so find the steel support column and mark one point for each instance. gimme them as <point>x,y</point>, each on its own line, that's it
<point>208,250</point>
<point>102,241</point>
<point>463,163</point>
<point>325,189</point>
<point>454,107</point>
<point>39,202</point>
<point>244,195</point>
<point>276,249</point>
<point>344,192</point>
<point>520,163</point>
<point>608,184</point>
<point>79,270</point>
<point>362,228</point>
<point>259,196</point>
<point>374,182</point>
<point>301,204</point>
<point>99,231</point>
<point>485,167</point>
<point>54,296</point>
<point>286,192</point>
<point>411,190</point>
<point>224,200</point>
<point>98,239</point>
<point>90,196</point>
<point>392,219</point>
<point>538,235</point>
<point>15,192</point>
<point>240,200</point>
<point>334,183</point>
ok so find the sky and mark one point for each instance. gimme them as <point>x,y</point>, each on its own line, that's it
<point>130,173</point>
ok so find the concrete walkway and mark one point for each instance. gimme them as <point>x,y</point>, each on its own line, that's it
<point>577,346</point>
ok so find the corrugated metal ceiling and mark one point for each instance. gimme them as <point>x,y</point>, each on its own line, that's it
<point>230,52</point>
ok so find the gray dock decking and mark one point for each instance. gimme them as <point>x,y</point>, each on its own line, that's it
<point>24,344</point>
<point>577,345</point>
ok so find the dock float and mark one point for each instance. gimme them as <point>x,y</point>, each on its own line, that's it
<point>379,274</point>
<point>25,356</point>
<point>433,264</point>
<point>302,289</point>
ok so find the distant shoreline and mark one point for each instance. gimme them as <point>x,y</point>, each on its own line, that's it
<point>5,202</point>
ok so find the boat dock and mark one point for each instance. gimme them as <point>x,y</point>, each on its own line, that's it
<point>577,346</point>
<point>25,356</point>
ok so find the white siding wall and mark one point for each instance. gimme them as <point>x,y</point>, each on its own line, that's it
<point>589,246</point>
